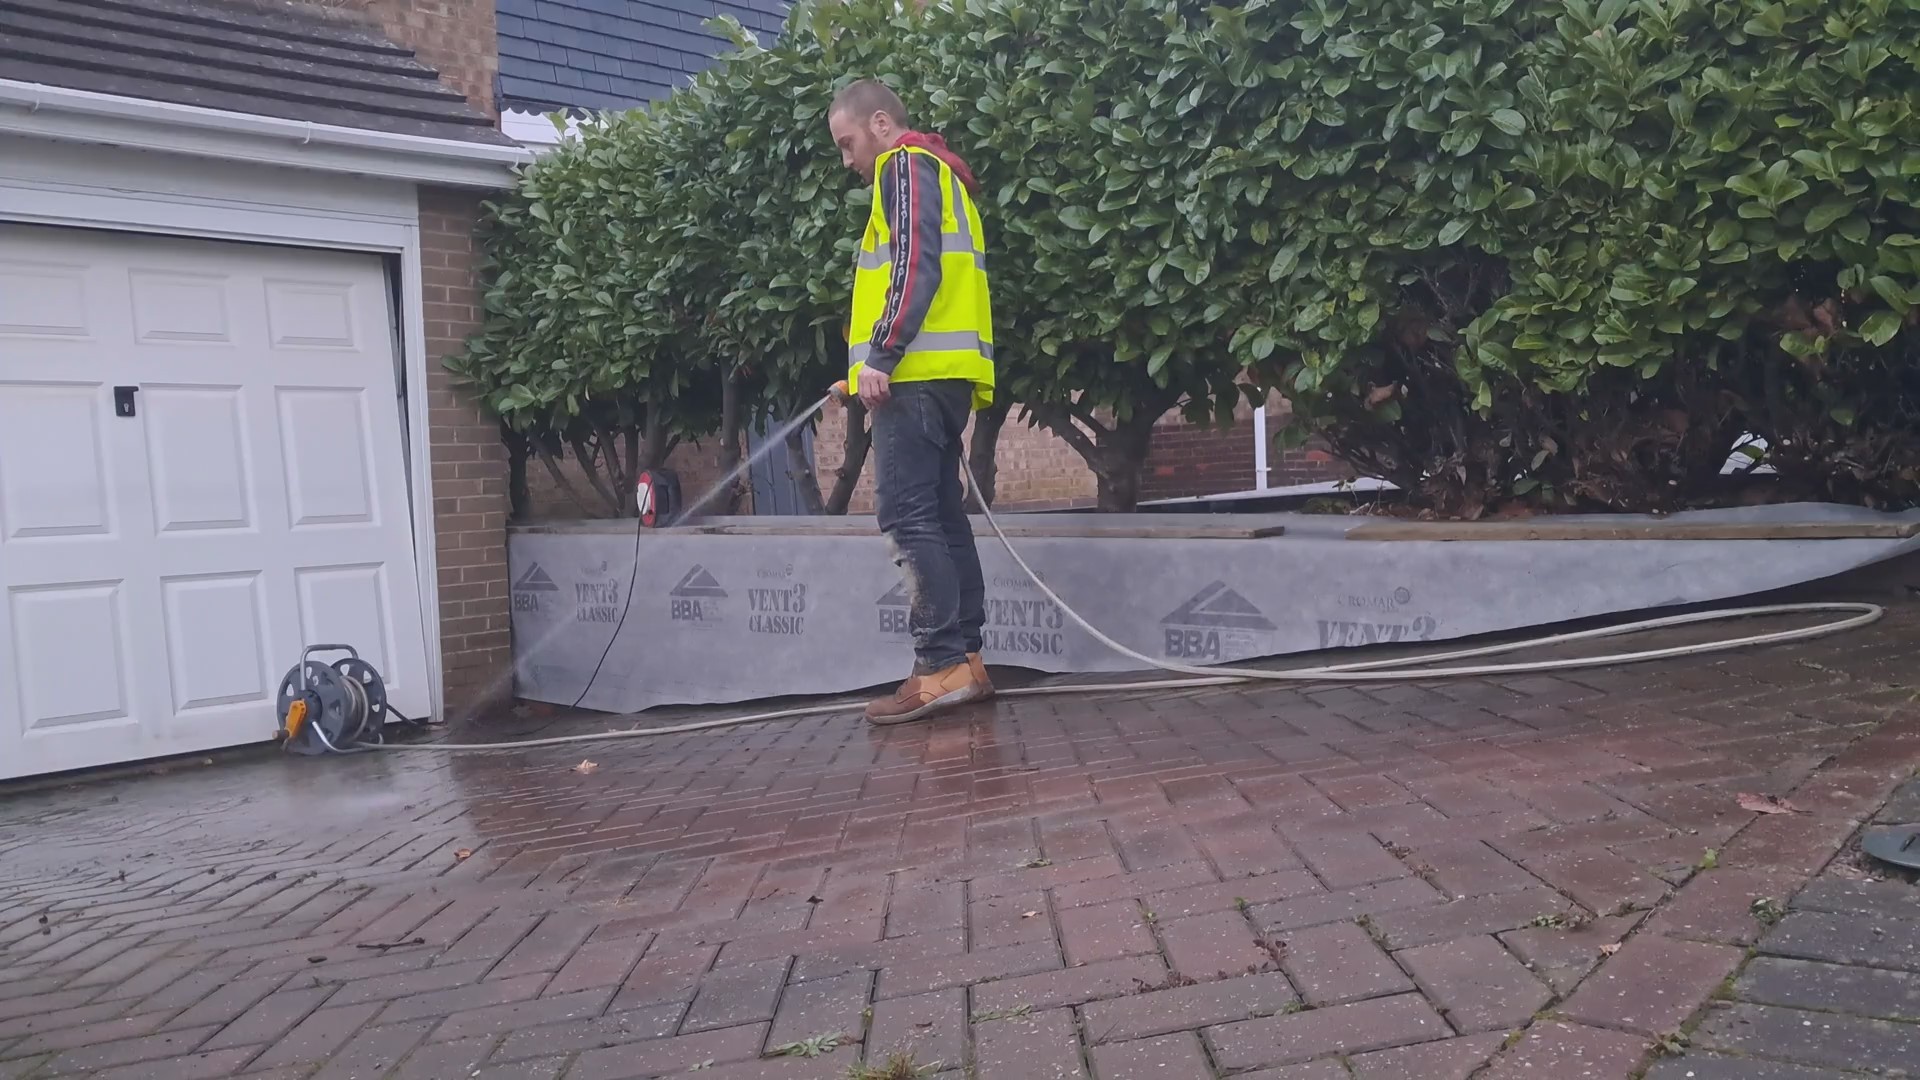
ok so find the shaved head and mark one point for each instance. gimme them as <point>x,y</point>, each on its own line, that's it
<point>865,98</point>
<point>866,120</point>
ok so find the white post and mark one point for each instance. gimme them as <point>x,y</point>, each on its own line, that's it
<point>1260,447</point>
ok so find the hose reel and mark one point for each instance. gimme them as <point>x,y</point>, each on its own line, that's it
<point>331,708</point>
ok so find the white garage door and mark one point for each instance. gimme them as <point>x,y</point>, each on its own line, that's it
<point>162,570</point>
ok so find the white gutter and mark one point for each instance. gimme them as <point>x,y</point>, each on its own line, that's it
<point>53,112</point>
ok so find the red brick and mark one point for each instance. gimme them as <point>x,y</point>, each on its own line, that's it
<point>938,973</point>
<point>1338,963</point>
<point>441,1003</point>
<point>1102,890</point>
<point>1469,868</point>
<point>494,1020</point>
<point>1344,860</point>
<point>1652,985</point>
<point>1717,906</point>
<point>1104,932</point>
<point>658,1057</point>
<point>1248,854</point>
<point>1164,1011</point>
<point>931,1027</point>
<point>1454,1059</point>
<point>1476,984</point>
<point>69,1038</point>
<point>1796,843</point>
<point>1569,1052</point>
<point>1072,986</point>
<point>375,1051</point>
<point>1467,918</point>
<point>1038,1045</point>
<point>1018,919</point>
<point>822,1007</point>
<point>1601,881</point>
<point>216,1065</point>
<point>1225,895</point>
<point>597,965</point>
<point>925,909</point>
<point>318,1036</point>
<point>613,1029</point>
<point>1213,946</point>
<point>1168,1057</point>
<point>1562,957</point>
<point>405,984</point>
<point>1338,1029</point>
<point>1346,904</point>
<point>879,954</point>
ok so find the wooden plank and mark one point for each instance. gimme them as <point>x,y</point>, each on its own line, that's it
<point>1028,530</point>
<point>1548,529</point>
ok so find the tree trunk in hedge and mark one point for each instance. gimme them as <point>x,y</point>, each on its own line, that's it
<point>1116,452</point>
<point>730,443</point>
<point>800,468</point>
<point>519,496</point>
<point>981,451</point>
<point>859,443</point>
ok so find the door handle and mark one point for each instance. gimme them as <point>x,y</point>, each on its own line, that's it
<point>123,400</point>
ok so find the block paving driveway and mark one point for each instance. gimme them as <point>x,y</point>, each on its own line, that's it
<point>1539,877</point>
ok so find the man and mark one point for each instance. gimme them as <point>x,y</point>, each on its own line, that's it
<point>921,355</point>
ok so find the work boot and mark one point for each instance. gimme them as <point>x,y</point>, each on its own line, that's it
<point>979,667</point>
<point>924,695</point>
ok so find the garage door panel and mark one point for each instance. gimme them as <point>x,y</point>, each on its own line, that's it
<point>43,300</point>
<point>329,457</point>
<point>176,308</point>
<point>347,604</point>
<point>218,646</point>
<point>54,475</point>
<point>58,686</point>
<point>199,458</point>
<point>309,315</point>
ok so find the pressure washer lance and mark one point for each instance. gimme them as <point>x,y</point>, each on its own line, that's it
<point>1409,669</point>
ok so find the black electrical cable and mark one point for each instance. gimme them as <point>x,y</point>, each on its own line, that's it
<point>639,530</point>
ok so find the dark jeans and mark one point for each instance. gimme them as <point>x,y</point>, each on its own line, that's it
<point>916,438</point>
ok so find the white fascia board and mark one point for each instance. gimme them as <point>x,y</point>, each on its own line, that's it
<point>52,112</point>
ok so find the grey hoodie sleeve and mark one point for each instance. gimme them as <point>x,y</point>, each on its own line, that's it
<point>910,200</point>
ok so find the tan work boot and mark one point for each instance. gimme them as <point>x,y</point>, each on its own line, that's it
<point>923,695</point>
<point>979,667</point>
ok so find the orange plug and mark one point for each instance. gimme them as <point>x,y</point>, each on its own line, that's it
<point>839,392</point>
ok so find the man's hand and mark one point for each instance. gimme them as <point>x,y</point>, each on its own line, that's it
<point>875,388</point>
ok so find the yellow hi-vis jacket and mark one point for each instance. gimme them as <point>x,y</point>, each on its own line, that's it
<point>921,309</point>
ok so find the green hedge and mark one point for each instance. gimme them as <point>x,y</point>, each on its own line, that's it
<point>1560,253</point>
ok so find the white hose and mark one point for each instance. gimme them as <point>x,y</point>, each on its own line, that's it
<point>1408,669</point>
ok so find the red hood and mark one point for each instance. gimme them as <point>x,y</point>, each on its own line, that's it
<point>937,146</point>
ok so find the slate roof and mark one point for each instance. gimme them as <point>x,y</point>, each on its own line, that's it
<point>613,54</point>
<point>265,57</point>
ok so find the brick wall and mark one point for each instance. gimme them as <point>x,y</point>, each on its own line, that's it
<point>457,38</point>
<point>1186,460</point>
<point>469,468</point>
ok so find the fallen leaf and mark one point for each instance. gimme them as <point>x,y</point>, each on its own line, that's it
<point>585,767</point>
<point>1380,395</point>
<point>1766,804</point>
<point>463,854</point>
<point>1030,915</point>
<point>1609,950</point>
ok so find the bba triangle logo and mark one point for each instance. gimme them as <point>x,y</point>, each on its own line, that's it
<point>1214,617</point>
<point>892,610</point>
<point>697,598</point>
